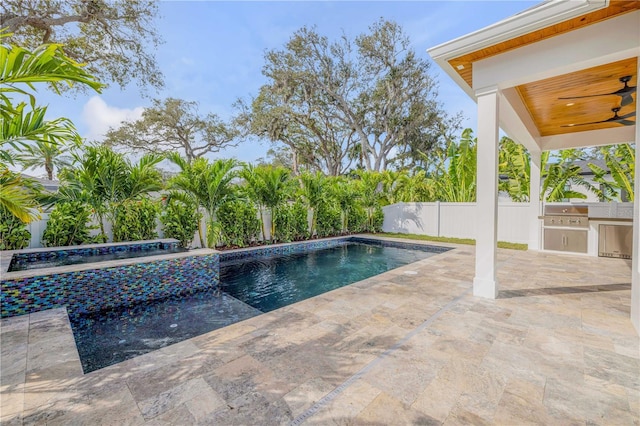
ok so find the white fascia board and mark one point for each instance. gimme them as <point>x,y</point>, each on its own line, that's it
<point>612,136</point>
<point>541,16</point>
<point>605,42</point>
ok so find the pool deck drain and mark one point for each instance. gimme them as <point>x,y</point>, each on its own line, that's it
<point>551,355</point>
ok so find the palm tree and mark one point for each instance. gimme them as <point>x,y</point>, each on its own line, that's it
<point>343,192</point>
<point>20,67</point>
<point>312,189</point>
<point>103,179</point>
<point>19,195</point>
<point>268,187</point>
<point>45,154</point>
<point>369,187</point>
<point>209,185</point>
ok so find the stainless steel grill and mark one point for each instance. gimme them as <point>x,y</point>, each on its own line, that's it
<point>566,228</point>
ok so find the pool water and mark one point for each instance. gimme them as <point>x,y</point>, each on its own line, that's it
<point>270,283</point>
<point>76,259</point>
<point>248,287</point>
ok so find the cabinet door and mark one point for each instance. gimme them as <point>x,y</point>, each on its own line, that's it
<point>570,240</point>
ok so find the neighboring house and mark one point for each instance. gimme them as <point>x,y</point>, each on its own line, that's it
<point>49,185</point>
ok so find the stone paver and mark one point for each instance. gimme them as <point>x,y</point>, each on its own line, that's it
<point>556,347</point>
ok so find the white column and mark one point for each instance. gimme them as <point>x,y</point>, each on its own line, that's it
<point>635,264</point>
<point>534,200</point>
<point>484,283</point>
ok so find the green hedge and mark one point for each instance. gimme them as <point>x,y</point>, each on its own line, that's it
<point>291,222</point>
<point>239,223</point>
<point>180,221</point>
<point>14,234</point>
<point>68,225</point>
<point>135,220</point>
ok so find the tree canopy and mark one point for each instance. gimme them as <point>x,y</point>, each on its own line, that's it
<point>371,100</point>
<point>116,39</point>
<point>174,125</point>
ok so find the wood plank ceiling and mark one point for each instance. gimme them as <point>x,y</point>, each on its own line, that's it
<point>550,113</point>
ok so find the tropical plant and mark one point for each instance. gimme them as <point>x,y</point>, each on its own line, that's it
<point>239,223</point>
<point>104,179</point>
<point>209,185</point>
<point>68,225</point>
<point>455,175</point>
<point>180,219</point>
<point>135,220</point>
<point>20,67</point>
<point>312,190</point>
<point>292,222</point>
<point>268,187</point>
<point>620,161</point>
<point>343,192</point>
<point>329,220</point>
<point>369,187</point>
<point>18,195</point>
<point>561,176</point>
<point>50,156</point>
<point>14,234</point>
<point>515,166</point>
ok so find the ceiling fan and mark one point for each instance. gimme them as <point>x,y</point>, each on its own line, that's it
<point>624,93</point>
<point>620,119</point>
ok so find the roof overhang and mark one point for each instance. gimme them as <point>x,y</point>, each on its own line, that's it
<point>538,17</point>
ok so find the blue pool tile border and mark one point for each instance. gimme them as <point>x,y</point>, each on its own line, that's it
<point>93,290</point>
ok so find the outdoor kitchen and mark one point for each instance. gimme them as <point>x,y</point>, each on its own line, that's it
<point>594,229</point>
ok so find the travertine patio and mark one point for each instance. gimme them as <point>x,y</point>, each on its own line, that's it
<point>557,347</point>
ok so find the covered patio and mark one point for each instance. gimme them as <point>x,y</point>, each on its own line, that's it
<point>558,75</point>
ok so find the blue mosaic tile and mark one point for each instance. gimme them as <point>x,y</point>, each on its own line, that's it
<point>121,286</point>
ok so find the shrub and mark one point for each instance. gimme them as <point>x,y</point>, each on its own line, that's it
<point>328,219</point>
<point>357,219</point>
<point>291,222</point>
<point>239,223</point>
<point>14,234</point>
<point>67,225</point>
<point>376,220</point>
<point>135,220</point>
<point>180,221</point>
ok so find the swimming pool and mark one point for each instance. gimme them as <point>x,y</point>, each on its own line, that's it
<point>251,282</point>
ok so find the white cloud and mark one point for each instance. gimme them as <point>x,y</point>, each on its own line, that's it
<point>99,117</point>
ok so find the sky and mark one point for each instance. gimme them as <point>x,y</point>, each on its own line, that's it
<point>213,53</point>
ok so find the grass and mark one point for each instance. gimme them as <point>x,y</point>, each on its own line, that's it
<point>469,241</point>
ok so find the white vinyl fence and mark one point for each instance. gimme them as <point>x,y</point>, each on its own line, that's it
<point>455,220</point>
<point>436,219</point>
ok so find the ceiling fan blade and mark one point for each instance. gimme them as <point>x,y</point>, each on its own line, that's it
<point>627,99</point>
<point>631,114</point>
<point>627,122</point>
<point>586,96</point>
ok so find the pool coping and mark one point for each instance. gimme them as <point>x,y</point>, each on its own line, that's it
<point>30,273</point>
